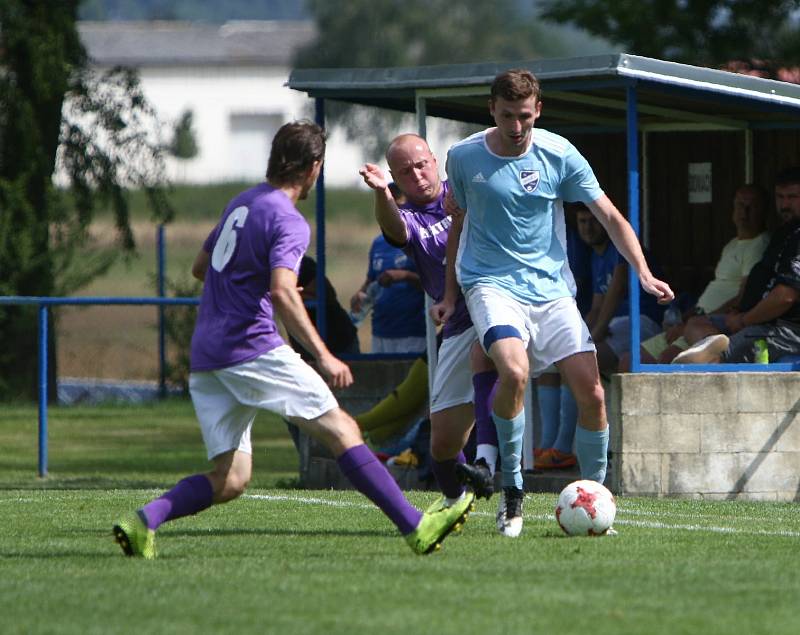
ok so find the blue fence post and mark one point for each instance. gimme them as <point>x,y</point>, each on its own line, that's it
<point>633,217</point>
<point>322,319</point>
<point>162,340</point>
<point>43,390</point>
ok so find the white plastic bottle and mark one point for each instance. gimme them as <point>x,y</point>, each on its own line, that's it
<point>372,292</point>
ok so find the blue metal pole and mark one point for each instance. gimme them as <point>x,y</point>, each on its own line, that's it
<point>633,217</point>
<point>43,390</point>
<point>162,340</point>
<point>322,324</point>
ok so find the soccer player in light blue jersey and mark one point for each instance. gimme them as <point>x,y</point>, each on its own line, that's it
<point>511,181</point>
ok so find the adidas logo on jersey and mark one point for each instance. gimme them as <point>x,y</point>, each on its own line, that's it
<point>478,178</point>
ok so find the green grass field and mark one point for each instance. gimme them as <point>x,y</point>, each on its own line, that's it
<point>283,560</point>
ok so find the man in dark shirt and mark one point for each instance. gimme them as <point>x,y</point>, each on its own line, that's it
<point>769,309</point>
<point>341,336</point>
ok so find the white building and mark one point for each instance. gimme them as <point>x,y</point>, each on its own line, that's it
<point>231,77</point>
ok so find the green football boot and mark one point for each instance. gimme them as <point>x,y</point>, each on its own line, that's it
<point>438,505</point>
<point>133,536</point>
<point>438,521</point>
<point>442,503</point>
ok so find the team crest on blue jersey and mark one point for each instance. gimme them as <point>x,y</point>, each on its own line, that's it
<point>529,180</point>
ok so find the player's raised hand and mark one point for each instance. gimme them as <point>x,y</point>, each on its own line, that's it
<point>373,176</point>
<point>658,288</point>
<point>335,371</point>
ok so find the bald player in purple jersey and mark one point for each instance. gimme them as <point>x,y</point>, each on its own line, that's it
<point>420,226</point>
<point>240,363</point>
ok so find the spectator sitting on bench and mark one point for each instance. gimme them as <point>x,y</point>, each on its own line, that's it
<point>750,204</point>
<point>769,308</point>
<point>608,317</point>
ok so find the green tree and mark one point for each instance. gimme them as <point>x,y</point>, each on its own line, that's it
<point>365,33</point>
<point>701,32</point>
<point>184,143</point>
<point>101,145</point>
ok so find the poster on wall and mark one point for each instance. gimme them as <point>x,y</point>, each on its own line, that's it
<point>700,182</point>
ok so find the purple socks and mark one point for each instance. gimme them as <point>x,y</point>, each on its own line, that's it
<point>190,496</point>
<point>445,473</point>
<point>369,476</point>
<point>485,385</point>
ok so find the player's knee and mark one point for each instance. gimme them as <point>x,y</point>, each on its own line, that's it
<point>337,430</point>
<point>235,485</point>
<point>514,375</point>
<point>591,401</point>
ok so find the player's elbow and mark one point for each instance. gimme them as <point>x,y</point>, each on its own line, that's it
<point>198,272</point>
<point>281,297</point>
<point>200,265</point>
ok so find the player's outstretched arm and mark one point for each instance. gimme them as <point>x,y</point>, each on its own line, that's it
<point>441,311</point>
<point>289,307</point>
<point>627,243</point>
<point>386,212</point>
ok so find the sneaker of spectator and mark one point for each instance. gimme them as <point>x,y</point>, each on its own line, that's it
<point>554,459</point>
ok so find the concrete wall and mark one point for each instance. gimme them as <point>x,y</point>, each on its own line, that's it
<point>720,436</point>
<point>704,435</point>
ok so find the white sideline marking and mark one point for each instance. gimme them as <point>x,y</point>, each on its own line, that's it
<point>789,514</point>
<point>719,530</point>
<point>547,517</point>
<point>311,501</point>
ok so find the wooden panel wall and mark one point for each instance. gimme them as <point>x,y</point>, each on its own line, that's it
<point>774,150</point>
<point>686,238</point>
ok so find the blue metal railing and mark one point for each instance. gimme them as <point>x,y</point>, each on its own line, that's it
<point>43,304</point>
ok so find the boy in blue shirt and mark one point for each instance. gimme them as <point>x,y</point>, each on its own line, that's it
<point>398,315</point>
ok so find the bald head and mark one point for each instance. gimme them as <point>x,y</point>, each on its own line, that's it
<point>414,169</point>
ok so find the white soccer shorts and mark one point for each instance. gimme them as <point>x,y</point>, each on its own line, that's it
<point>550,331</point>
<point>226,400</point>
<point>452,379</point>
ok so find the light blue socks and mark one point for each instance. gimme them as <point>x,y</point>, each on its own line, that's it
<point>568,419</point>
<point>509,436</point>
<point>591,447</point>
<point>548,397</point>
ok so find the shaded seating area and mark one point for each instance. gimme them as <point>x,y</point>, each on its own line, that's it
<point>669,143</point>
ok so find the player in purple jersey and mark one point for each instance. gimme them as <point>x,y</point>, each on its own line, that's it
<point>420,226</point>
<point>240,363</point>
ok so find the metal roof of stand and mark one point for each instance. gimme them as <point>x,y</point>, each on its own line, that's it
<point>585,91</point>
<point>595,94</point>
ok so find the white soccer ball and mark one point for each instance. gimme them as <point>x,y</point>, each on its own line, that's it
<point>585,508</point>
